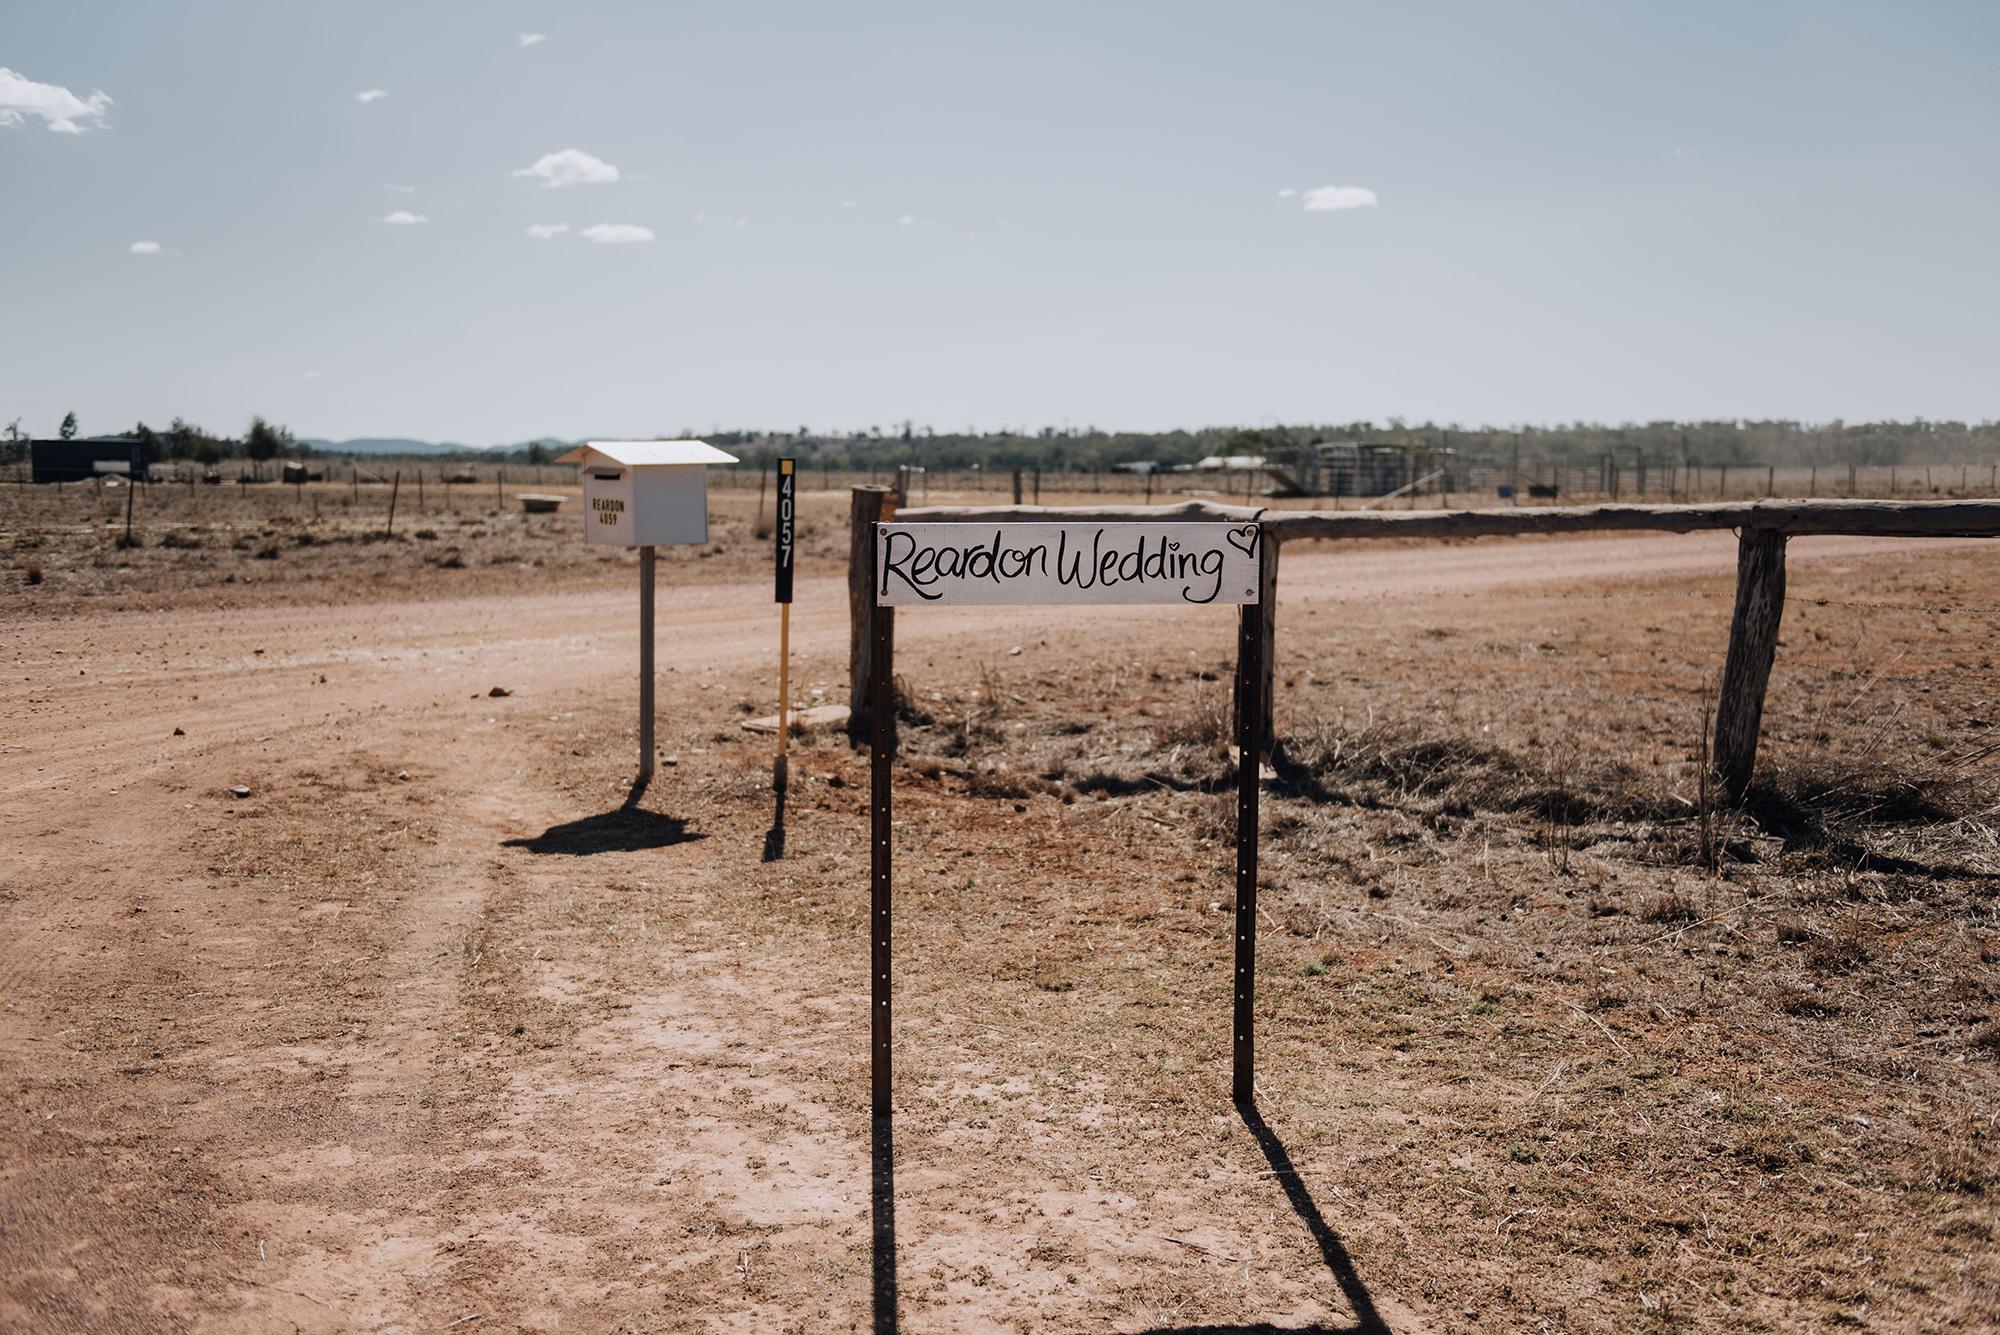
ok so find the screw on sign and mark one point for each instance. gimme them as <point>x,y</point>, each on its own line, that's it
<point>645,494</point>
<point>1161,564</point>
<point>1178,564</point>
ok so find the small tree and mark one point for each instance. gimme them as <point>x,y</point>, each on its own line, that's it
<point>265,442</point>
<point>538,453</point>
<point>181,438</point>
<point>68,428</point>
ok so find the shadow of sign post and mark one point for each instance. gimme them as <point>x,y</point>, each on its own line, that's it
<point>1091,564</point>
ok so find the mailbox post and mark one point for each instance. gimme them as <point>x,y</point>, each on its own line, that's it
<point>645,494</point>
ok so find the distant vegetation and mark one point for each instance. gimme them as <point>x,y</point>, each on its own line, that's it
<point>1703,443</point>
<point>262,443</point>
<point>1055,449</point>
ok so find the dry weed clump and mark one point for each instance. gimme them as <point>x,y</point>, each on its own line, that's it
<point>1669,908</point>
<point>1842,952</point>
<point>1391,764</point>
<point>1925,812</point>
<point>1204,726</point>
<point>1802,1000</point>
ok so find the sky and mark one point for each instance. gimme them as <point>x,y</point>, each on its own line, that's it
<point>495,221</point>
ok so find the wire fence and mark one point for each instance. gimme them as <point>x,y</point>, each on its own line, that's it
<point>1462,486</point>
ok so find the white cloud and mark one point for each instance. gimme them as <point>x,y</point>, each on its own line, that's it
<point>849,204</point>
<point>617,234</point>
<point>312,375</point>
<point>1331,198</point>
<point>59,108</point>
<point>1286,193</point>
<point>371,94</point>
<point>543,231</point>
<point>405,218</point>
<point>572,166</point>
<point>530,38</point>
<point>146,248</point>
<point>399,189</point>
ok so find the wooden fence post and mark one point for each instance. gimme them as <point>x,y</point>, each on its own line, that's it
<point>1267,594</point>
<point>869,506</point>
<point>1753,646</point>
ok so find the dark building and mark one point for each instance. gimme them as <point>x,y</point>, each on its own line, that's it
<point>82,460</point>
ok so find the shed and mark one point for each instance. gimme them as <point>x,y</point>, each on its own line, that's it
<point>82,460</point>
<point>645,493</point>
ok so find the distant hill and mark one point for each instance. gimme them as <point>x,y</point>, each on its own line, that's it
<point>385,447</point>
<point>399,446</point>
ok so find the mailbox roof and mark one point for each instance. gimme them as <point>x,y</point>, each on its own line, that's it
<point>639,453</point>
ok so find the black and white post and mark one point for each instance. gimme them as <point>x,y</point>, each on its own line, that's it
<point>788,481</point>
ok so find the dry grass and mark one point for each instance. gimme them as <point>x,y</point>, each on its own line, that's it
<point>1509,1005</point>
<point>329,544</point>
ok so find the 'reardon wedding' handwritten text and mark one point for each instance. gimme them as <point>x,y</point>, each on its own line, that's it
<point>1184,563</point>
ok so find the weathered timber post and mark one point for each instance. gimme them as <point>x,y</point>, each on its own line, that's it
<point>870,506</point>
<point>1753,646</point>
<point>1267,595</point>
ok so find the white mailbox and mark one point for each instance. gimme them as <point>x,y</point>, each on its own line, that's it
<point>645,493</point>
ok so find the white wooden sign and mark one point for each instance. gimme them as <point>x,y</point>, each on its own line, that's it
<point>918,564</point>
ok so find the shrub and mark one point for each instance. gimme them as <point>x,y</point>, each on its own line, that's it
<point>1837,954</point>
<point>1669,908</point>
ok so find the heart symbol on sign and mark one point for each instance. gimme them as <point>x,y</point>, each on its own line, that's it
<point>1255,532</point>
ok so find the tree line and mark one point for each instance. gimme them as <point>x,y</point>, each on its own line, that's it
<point>1061,449</point>
<point>183,441</point>
<point>1704,444</point>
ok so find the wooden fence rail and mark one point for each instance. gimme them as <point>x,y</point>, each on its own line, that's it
<point>1762,526</point>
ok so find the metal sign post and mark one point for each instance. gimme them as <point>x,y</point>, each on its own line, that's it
<point>1093,563</point>
<point>645,663</point>
<point>1249,764</point>
<point>787,494</point>
<point>882,745</point>
<point>643,493</point>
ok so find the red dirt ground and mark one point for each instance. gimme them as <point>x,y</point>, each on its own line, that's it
<point>425,1032</point>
